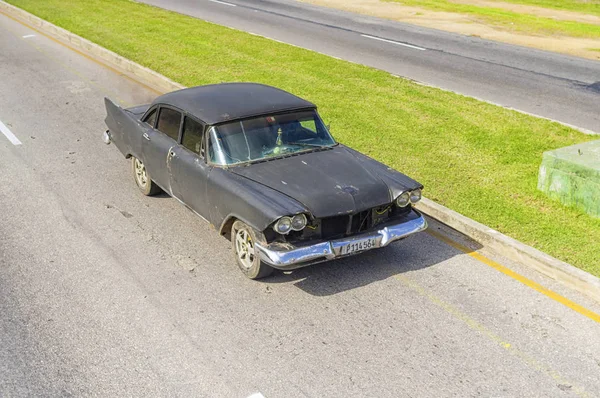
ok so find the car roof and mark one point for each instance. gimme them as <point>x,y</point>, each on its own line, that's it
<point>218,103</point>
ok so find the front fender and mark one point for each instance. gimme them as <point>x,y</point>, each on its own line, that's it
<point>233,196</point>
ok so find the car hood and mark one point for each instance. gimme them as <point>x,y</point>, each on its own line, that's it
<point>328,182</point>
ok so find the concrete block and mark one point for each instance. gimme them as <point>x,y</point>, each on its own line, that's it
<point>572,175</point>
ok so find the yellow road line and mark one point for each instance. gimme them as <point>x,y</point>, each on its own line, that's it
<point>527,282</point>
<point>484,331</point>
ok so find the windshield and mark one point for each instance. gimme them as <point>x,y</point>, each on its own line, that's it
<point>266,137</point>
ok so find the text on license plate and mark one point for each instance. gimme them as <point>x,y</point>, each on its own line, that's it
<point>358,246</point>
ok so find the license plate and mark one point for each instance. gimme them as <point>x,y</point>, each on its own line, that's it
<point>358,246</point>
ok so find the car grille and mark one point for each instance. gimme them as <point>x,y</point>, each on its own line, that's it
<point>334,226</point>
<point>338,226</point>
<point>344,225</point>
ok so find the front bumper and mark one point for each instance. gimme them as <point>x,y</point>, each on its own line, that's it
<point>287,257</point>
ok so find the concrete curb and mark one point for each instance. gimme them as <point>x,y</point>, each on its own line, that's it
<point>512,249</point>
<point>136,71</point>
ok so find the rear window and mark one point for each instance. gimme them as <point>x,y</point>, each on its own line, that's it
<point>151,118</point>
<point>168,122</point>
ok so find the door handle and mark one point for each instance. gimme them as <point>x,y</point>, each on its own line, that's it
<point>171,154</point>
<point>146,136</point>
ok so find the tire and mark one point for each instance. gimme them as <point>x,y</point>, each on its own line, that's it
<point>243,238</point>
<point>142,178</point>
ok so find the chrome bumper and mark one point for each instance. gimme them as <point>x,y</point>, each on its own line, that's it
<point>288,257</point>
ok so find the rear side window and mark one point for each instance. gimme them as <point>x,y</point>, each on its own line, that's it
<point>151,118</point>
<point>192,136</point>
<point>168,122</point>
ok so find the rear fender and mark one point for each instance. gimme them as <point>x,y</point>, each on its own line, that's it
<point>125,129</point>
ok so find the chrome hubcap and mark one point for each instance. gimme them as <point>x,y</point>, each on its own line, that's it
<point>140,173</point>
<point>244,248</point>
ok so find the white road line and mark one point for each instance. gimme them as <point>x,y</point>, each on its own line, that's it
<point>11,137</point>
<point>222,2</point>
<point>394,42</point>
<point>28,36</point>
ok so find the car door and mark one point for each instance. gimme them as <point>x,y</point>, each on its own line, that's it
<point>157,144</point>
<point>189,169</point>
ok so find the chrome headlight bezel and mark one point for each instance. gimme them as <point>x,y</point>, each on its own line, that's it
<point>415,195</point>
<point>287,224</point>
<point>285,220</point>
<point>299,222</point>
<point>403,199</point>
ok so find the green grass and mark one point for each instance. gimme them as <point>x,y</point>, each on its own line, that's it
<point>478,159</point>
<point>512,21</point>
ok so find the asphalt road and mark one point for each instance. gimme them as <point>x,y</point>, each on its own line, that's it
<point>106,292</point>
<point>551,85</point>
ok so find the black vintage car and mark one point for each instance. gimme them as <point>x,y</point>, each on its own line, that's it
<point>260,165</point>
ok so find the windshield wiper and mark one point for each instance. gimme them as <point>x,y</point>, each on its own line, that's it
<point>305,144</point>
<point>314,148</point>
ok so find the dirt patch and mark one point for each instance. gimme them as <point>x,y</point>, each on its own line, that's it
<point>464,24</point>
<point>559,15</point>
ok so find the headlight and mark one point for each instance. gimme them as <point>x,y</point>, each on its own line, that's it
<point>403,200</point>
<point>298,222</point>
<point>415,196</point>
<point>283,225</point>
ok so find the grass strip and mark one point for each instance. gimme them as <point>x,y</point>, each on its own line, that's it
<point>510,20</point>
<point>478,159</point>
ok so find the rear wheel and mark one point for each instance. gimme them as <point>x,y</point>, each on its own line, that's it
<point>142,178</point>
<point>243,239</point>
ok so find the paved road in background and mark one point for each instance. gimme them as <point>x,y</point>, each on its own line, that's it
<point>547,84</point>
<point>106,292</point>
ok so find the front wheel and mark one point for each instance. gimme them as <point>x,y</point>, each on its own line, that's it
<point>142,178</point>
<point>243,240</point>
